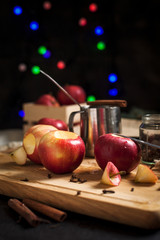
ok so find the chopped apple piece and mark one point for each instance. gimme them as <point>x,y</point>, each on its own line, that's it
<point>111,175</point>
<point>19,156</point>
<point>145,175</point>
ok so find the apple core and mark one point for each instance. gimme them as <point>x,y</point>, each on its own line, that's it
<point>65,135</point>
<point>29,143</point>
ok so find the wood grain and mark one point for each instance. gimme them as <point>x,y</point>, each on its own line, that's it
<point>140,207</point>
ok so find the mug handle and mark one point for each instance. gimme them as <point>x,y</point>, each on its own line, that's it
<point>71,119</point>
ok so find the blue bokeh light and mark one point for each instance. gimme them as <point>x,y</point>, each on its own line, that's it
<point>99,30</point>
<point>113,92</point>
<point>21,113</point>
<point>17,10</point>
<point>47,54</point>
<point>34,25</point>
<point>112,77</point>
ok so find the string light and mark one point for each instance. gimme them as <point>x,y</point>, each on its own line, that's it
<point>61,65</point>
<point>98,30</point>
<point>17,10</point>
<point>91,98</point>
<point>82,22</point>
<point>47,5</point>
<point>101,45</point>
<point>35,70</point>
<point>34,25</point>
<point>113,92</point>
<point>112,77</point>
<point>93,7</point>
<point>42,50</point>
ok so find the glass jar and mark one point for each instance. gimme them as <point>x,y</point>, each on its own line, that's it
<point>149,131</point>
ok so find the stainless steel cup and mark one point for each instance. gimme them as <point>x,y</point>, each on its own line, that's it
<point>96,121</point>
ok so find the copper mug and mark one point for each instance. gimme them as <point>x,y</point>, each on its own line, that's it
<point>96,119</point>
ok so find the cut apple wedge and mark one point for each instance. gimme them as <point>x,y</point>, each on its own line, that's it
<point>145,175</point>
<point>111,175</point>
<point>19,156</point>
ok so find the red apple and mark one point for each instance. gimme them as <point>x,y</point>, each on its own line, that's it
<point>48,100</point>
<point>123,152</point>
<point>31,140</point>
<point>61,151</point>
<point>59,124</point>
<point>75,91</point>
<point>111,175</point>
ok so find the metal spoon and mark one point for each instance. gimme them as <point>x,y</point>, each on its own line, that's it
<point>140,141</point>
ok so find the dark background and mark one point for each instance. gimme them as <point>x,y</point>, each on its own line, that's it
<point>132,37</point>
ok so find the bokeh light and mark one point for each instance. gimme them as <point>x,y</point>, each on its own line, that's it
<point>61,65</point>
<point>42,50</point>
<point>47,54</point>
<point>22,67</point>
<point>112,77</point>
<point>17,10</point>
<point>35,70</point>
<point>47,5</point>
<point>82,22</point>
<point>93,7</point>
<point>98,30</point>
<point>34,25</point>
<point>101,45</point>
<point>21,113</point>
<point>91,98</point>
<point>113,92</point>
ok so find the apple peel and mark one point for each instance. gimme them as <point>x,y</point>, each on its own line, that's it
<point>111,175</point>
<point>145,175</point>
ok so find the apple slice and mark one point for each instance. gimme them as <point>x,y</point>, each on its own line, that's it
<point>19,156</point>
<point>145,175</point>
<point>111,175</point>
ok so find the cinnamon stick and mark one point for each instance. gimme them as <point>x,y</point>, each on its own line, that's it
<point>112,102</point>
<point>25,212</point>
<point>49,211</point>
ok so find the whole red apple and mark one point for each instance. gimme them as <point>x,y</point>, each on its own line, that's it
<point>48,100</point>
<point>61,151</point>
<point>123,152</point>
<point>59,124</point>
<point>75,91</point>
<point>31,140</point>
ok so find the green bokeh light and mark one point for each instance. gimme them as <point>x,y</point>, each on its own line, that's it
<point>91,98</point>
<point>35,70</point>
<point>42,50</point>
<point>101,45</point>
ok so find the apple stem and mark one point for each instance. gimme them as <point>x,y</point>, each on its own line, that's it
<point>118,173</point>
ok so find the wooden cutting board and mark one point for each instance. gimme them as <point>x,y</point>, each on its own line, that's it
<point>130,203</point>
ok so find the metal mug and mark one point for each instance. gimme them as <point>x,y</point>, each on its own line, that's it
<point>96,121</point>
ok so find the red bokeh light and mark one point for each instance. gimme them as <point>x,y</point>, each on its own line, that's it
<point>82,22</point>
<point>47,5</point>
<point>93,7</point>
<point>61,64</point>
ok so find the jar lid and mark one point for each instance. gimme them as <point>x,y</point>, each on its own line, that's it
<point>151,118</point>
